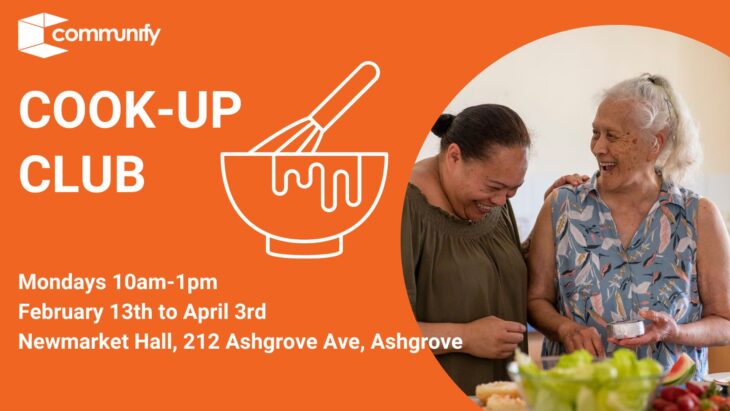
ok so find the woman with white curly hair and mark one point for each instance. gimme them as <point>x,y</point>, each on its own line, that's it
<point>633,243</point>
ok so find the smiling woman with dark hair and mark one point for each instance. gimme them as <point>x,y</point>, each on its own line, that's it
<point>463,266</point>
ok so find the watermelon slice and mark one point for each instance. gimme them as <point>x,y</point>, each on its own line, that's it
<point>682,371</point>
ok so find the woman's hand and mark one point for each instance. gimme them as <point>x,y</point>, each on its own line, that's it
<point>662,328</point>
<point>572,179</point>
<point>492,337</point>
<point>575,337</point>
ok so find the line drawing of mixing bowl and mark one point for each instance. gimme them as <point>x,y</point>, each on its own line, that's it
<point>307,200</point>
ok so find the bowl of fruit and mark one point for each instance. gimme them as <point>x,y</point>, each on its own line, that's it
<point>681,394</point>
<point>690,397</point>
<point>577,382</point>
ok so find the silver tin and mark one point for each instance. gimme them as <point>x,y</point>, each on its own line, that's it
<point>626,329</point>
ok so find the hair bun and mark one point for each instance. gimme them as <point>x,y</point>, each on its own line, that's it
<point>442,124</point>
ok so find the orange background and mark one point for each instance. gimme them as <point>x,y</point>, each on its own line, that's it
<point>281,59</point>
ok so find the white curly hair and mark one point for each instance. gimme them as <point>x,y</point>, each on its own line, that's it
<point>659,108</point>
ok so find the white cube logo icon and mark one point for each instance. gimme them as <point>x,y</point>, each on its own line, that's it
<point>31,35</point>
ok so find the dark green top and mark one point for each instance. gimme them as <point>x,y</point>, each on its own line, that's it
<point>457,271</point>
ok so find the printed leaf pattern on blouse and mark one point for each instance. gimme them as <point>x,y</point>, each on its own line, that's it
<point>599,281</point>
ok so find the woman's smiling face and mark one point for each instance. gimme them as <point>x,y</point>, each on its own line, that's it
<point>482,184</point>
<point>623,152</point>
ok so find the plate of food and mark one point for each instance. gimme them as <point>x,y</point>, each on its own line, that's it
<point>720,378</point>
<point>500,396</point>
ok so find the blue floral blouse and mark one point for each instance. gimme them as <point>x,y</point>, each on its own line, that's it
<point>598,281</point>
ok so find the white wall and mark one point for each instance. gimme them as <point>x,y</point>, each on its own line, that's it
<point>554,84</point>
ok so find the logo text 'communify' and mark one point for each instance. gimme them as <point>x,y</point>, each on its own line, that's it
<point>31,35</point>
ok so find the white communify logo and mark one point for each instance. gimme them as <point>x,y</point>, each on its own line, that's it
<point>31,35</point>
